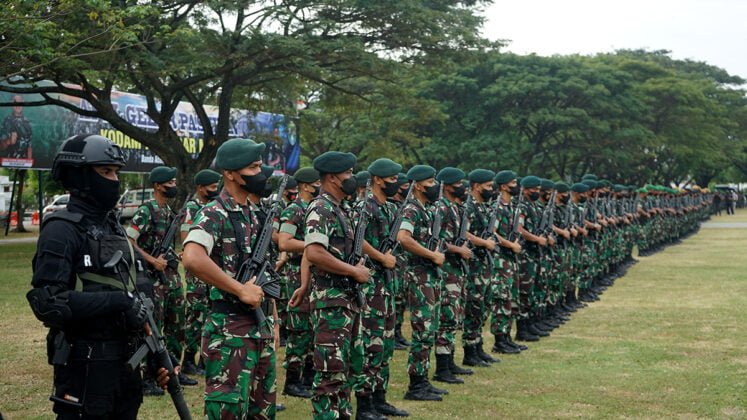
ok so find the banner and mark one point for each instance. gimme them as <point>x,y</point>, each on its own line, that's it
<point>31,136</point>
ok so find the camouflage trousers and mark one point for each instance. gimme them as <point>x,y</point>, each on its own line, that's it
<point>529,270</point>
<point>298,347</point>
<point>197,309</point>
<point>377,338</point>
<point>423,286</point>
<point>240,376</point>
<point>452,307</point>
<point>170,310</point>
<point>399,291</point>
<point>337,361</point>
<point>501,292</point>
<point>476,289</point>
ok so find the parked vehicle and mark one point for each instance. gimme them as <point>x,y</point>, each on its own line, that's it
<point>59,202</point>
<point>132,199</point>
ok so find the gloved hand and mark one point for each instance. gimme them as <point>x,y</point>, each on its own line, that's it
<point>136,315</point>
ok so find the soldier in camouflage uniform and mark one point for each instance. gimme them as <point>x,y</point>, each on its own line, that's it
<point>284,270</point>
<point>378,315</point>
<point>506,309</point>
<point>149,225</point>
<point>299,350</point>
<point>457,255</point>
<point>239,352</point>
<point>400,290</point>
<point>206,182</point>
<point>15,133</point>
<point>335,317</point>
<point>422,280</point>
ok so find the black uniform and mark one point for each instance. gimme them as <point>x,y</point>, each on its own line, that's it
<point>89,311</point>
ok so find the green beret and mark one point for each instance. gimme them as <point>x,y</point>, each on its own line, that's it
<point>504,177</point>
<point>562,187</point>
<point>420,173</point>
<point>590,183</point>
<point>480,176</point>
<point>546,184</point>
<point>267,170</point>
<point>531,181</point>
<point>604,183</point>
<point>292,183</point>
<point>307,175</point>
<point>384,168</point>
<point>618,188</point>
<point>449,175</point>
<point>362,177</point>
<point>579,187</point>
<point>238,153</point>
<point>161,174</point>
<point>334,162</point>
<point>206,177</point>
<point>402,179</point>
<point>589,176</point>
<point>641,190</point>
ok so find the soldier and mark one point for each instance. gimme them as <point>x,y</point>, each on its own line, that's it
<point>92,317</point>
<point>206,183</point>
<point>16,132</point>
<point>577,257</point>
<point>299,351</point>
<point>328,240</point>
<point>400,291</point>
<point>378,316</point>
<point>149,225</point>
<point>506,263</point>
<point>451,301</point>
<point>238,349</point>
<point>422,280</point>
<point>361,178</point>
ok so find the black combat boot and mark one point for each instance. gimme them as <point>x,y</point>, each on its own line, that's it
<point>456,369</point>
<point>534,329</point>
<point>293,385</point>
<point>150,387</point>
<point>383,407</point>
<point>443,373</point>
<point>434,390</point>
<point>502,346</point>
<point>186,380</point>
<point>399,338</point>
<point>189,367</point>
<point>366,410</point>
<point>307,379</point>
<point>419,390</point>
<point>511,342</point>
<point>523,333</point>
<point>471,358</point>
<point>484,356</point>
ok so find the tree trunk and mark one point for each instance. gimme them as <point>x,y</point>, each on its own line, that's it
<point>19,207</point>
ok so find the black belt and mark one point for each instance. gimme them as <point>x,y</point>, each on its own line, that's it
<point>336,282</point>
<point>224,306</point>
<point>99,350</point>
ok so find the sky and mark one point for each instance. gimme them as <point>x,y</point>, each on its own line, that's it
<point>714,31</point>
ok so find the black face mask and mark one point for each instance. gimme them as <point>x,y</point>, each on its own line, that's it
<point>316,191</point>
<point>487,195</point>
<point>459,191</point>
<point>582,199</point>
<point>210,195</point>
<point>565,199</point>
<point>349,186</point>
<point>104,193</point>
<point>514,191</point>
<point>267,191</point>
<point>431,193</point>
<point>254,184</point>
<point>170,192</point>
<point>292,196</point>
<point>391,188</point>
<point>403,192</point>
<point>534,196</point>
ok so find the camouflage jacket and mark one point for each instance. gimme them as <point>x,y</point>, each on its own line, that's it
<point>213,230</point>
<point>478,215</point>
<point>149,225</point>
<point>191,208</point>
<point>292,221</point>
<point>417,220</point>
<point>529,219</point>
<point>22,127</point>
<point>380,220</point>
<point>328,225</point>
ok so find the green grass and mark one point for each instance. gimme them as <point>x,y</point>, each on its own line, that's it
<point>666,341</point>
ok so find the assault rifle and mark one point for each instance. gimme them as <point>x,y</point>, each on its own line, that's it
<point>462,236</point>
<point>487,232</point>
<point>546,222</point>
<point>360,233</point>
<point>153,342</point>
<point>514,234</point>
<point>434,242</point>
<point>258,265</point>
<point>166,246</point>
<point>390,242</point>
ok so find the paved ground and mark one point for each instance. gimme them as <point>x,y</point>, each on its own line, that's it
<point>725,225</point>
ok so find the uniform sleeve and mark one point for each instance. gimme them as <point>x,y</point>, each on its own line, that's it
<point>288,222</point>
<point>316,231</point>
<point>140,222</point>
<point>189,215</point>
<point>409,219</point>
<point>203,229</point>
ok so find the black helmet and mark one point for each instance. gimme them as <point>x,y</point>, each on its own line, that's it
<point>86,150</point>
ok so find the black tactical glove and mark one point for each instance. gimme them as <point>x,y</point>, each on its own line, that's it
<point>136,315</point>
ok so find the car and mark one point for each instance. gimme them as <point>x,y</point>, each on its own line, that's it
<point>59,202</point>
<point>131,200</point>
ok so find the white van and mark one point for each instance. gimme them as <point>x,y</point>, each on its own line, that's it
<point>132,199</point>
<point>59,202</point>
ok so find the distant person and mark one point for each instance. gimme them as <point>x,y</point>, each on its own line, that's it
<point>731,201</point>
<point>717,204</point>
<point>15,134</point>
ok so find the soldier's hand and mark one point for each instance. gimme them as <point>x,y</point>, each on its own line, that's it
<point>361,273</point>
<point>438,258</point>
<point>542,241</point>
<point>465,252</point>
<point>489,244</point>
<point>251,294</point>
<point>297,297</point>
<point>516,247</point>
<point>13,138</point>
<point>162,376</point>
<point>551,241</point>
<point>390,261</point>
<point>160,263</point>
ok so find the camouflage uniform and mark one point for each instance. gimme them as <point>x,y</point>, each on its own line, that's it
<point>197,296</point>
<point>378,316</point>
<point>149,225</point>
<point>477,282</point>
<point>505,307</point>
<point>239,353</point>
<point>452,300</point>
<point>298,322</point>
<point>335,315</point>
<point>423,287</point>
<point>528,260</point>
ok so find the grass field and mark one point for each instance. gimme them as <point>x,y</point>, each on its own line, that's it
<point>668,340</point>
